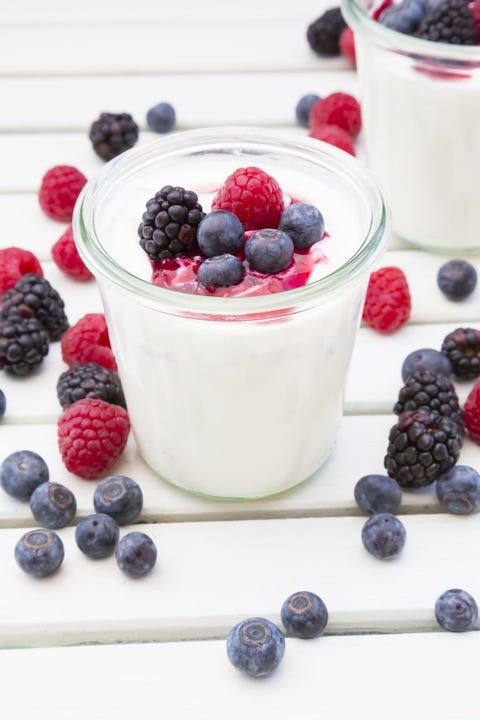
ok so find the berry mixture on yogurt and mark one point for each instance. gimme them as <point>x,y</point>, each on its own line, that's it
<point>254,240</point>
<point>456,22</point>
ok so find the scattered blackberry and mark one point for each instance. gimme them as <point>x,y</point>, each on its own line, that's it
<point>421,447</point>
<point>450,22</point>
<point>169,223</point>
<point>323,34</point>
<point>34,297</point>
<point>112,134</point>
<point>425,390</point>
<point>462,347</point>
<point>23,344</point>
<point>89,380</point>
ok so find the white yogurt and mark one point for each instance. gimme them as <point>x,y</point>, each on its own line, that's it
<point>229,406</point>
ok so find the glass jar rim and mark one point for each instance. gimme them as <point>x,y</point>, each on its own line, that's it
<point>220,138</point>
<point>357,17</point>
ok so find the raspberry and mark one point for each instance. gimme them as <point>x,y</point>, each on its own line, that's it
<point>67,259</point>
<point>91,435</point>
<point>387,303</point>
<point>339,109</point>
<point>471,412</point>
<point>334,135</point>
<point>15,262</point>
<point>347,46</point>
<point>59,190</point>
<point>88,341</point>
<point>253,196</point>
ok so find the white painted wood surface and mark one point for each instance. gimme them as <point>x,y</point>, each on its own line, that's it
<point>158,645</point>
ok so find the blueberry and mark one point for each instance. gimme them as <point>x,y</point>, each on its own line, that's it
<point>456,610</point>
<point>21,472</point>
<point>457,279</point>
<point>303,223</point>
<point>458,490</point>
<point>97,535</point>
<point>136,554</point>
<point>39,552</point>
<point>269,251</point>
<point>303,108</point>
<point>404,18</point>
<point>426,359</point>
<point>377,494</point>
<point>221,271</point>
<point>256,646</point>
<point>304,615</point>
<point>53,505</point>
<point>383,535</point>
<point>161,118</point>
<point>120,497</point>
<point>220,232</point>
<point>3,403</point>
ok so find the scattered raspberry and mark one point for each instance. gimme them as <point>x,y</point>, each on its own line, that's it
<point>347,46</point>
<point>339,109</point>
<point>66,257</point>
<point>59,190</point>
<point>91,435</point>
<point>471,412</point>
<point>252,195</point>
<point>387,303</point>
<point>15,262</point>
<point>88,341</point>
<point>334,136</point>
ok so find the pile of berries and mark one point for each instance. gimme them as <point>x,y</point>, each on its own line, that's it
<point>249,243</point>
<point>117,501</point>
<point>447,21</point>
<point>335,119</point>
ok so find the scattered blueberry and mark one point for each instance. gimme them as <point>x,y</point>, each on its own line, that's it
<point>220,232</point>
<point>457,279</point>
<point>221,271</point>
<point>97,535</point>
<point>21,472</point>
<point>136,554</point>
<point>120,497</point>
<point>303,223</point>
<point>256,646</point>
<point>456,610</point>
<point>384,535</point>
<point>53,505</point>
<point>377,494</point>
<point>269,251</point>
<point>458,490</point>
<point>426,359</point>
<point>3,403</point>
<point>303,107</point>
<point>405,17</point>
<point>161,118</point>
<point>304,615</point>
<point>39,552</point>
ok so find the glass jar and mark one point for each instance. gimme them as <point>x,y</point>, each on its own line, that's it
<point>231,397</point>
<point>420,103</point>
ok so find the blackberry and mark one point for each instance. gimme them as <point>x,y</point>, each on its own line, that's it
<point>449,22</point>
<point>462,347</point>
<point>421,447</point>
<point>34,297</point>
<point>112,134</point>
<point>425,390</point>
<point>89,380</point>
<point>323,34</point>
<point>169,223</point>
<point>23,344</point>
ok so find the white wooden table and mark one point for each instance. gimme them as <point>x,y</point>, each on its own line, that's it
<point>90,643</point>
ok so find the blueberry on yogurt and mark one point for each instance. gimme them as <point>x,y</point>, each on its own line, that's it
<point>220,232</point>
<point>456,610</point>
<point>221,271</point>
<point>404,17</point>
<point>304,615</point>
<point>255,646</point>
<point>304,223</point>
<point>21,472</point>
<point>269,251</point>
